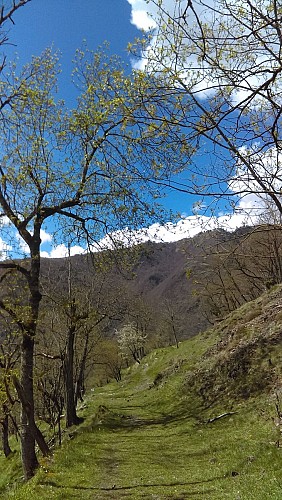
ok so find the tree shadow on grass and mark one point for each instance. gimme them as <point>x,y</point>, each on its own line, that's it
<point>134,487</point>
<point>109,419</point>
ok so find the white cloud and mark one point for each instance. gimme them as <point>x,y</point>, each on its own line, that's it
<point>45,237</point>
<point>203,78</point>
<point>62,251</point>
<point>19,246</point>
<point>140,14</point>
<point>44,254</point>
<point>23,247</point>
<point>5,249</point>
<point>267,167</point>
<point>4,220</point>
<point>143,15</point>
<point>142,20</point>
<point>251,205</point>
<point>186,227</point>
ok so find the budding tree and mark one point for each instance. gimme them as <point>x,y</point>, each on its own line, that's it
<point>223,57</point>
<point>90,170</point>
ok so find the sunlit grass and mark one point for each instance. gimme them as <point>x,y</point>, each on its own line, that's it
<point>231,458</point>
<point>148,437</point>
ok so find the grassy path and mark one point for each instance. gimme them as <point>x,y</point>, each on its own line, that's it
<point>117,457</point>
<point>145,441</point>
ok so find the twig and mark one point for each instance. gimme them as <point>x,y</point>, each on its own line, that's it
<point>227,414</point>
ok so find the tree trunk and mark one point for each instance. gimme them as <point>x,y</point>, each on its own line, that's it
<point>29,459</point>
<point>5,436</point>
<point>79,386</point>
<point>70,407</point>
<point>29,412</point>
<point>175,335</point>
<point>68,365</point>
<point>29,430</point>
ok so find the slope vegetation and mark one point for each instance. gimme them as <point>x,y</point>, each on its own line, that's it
<point>202,422</point>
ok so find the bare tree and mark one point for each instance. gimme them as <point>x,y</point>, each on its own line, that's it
<point>222,61</point>
<point>237,268</point>
<point>9,360</point>
<point>171,320</point>
<point>7,11</point>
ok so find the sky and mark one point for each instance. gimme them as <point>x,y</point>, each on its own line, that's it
<point>64,24</point>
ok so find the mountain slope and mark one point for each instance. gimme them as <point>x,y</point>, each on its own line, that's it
<point>196,280</point>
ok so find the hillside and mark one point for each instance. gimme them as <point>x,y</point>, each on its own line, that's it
<point>199,280</point>
<point>163,275</point>
<point>202,421</point>
<point>158,274</point>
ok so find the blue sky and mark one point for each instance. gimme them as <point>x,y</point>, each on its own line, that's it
<point>42,24</point>
<point>64,24</point>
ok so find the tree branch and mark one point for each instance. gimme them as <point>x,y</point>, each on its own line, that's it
<point>16,5</point>
<point>227,414</point>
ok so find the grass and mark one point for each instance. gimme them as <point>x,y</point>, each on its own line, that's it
<point>149,437</point>
<point>140,458</point>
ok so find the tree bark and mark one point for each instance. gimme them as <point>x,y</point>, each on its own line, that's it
<point>70,407</point>
<point>29,459</point>
<point>29,412</point>
<point>79,386</point>
<point>5,436</point>
<point>68,365</point>
<point>29,430</point>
